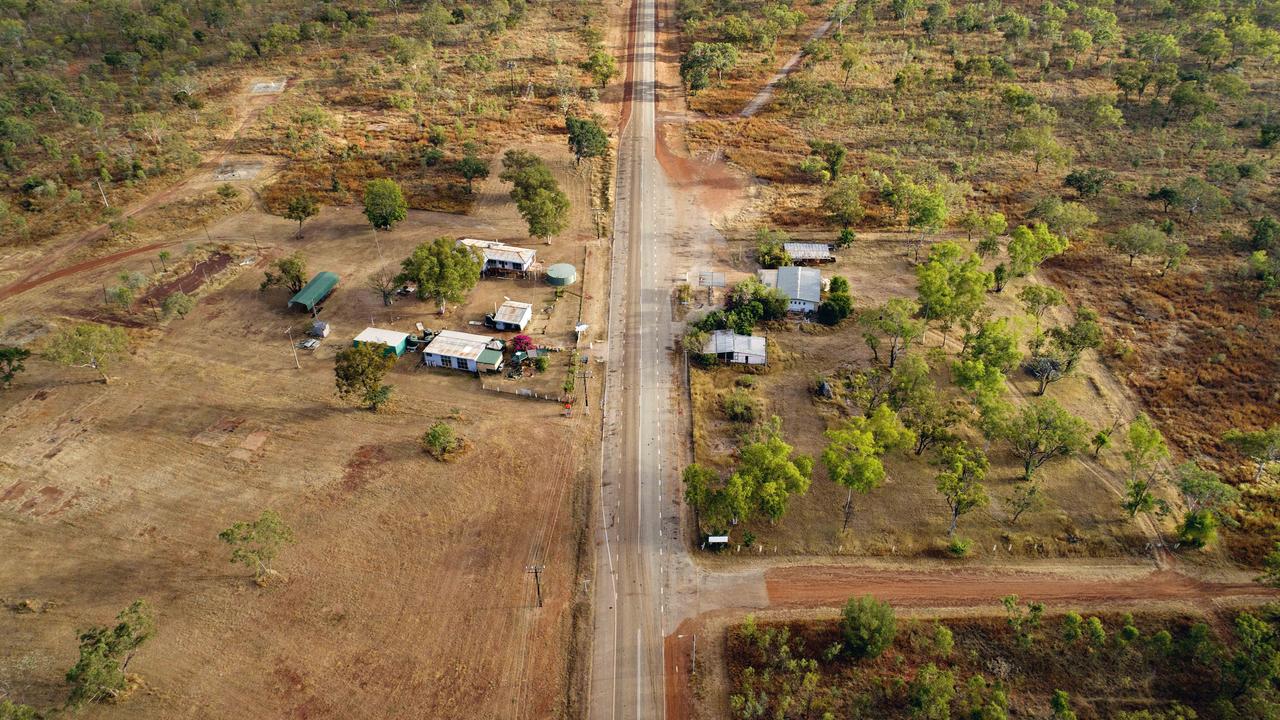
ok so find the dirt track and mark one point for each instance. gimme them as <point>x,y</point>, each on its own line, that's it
<point>813,586</point>
<point>208,164</point>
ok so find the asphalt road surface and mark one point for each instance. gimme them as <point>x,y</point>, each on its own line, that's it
<point>638,523</point>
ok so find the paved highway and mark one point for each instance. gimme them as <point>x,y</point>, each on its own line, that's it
<point>638,524</point>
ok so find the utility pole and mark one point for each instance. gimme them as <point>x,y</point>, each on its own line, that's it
<point>289,331</point>
<point>536,571</point>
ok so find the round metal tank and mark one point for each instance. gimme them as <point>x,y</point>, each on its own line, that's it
<point>562,274</point>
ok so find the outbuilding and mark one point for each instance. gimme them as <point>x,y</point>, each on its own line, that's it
<point>730,347</point>
<point>315,292</point>
<point>802,286</point>
<point>500,257</point>
<point>512,315</point>
<point>394,341</point>
<point>462,351</point>
<point>804,253</point>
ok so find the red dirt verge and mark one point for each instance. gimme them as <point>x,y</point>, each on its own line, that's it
<point>800,587</point>
<point>679,650</point>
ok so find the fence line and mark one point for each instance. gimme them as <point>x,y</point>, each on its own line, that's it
<point>525,393</point>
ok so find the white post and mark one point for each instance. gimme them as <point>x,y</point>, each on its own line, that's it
<point>289,331</point>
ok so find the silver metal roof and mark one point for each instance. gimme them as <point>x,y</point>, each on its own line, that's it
<point>451,343</point>
<point>514,313</point>
<point>727,341</point>
<point>797,283</point>
<point>492,250</point>
<point>807,251</point>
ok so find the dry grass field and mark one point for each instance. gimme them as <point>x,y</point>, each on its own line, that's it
<point>406,592</point>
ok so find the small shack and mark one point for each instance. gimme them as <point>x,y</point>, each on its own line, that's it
<point>512,315</point>
<point>562,274</point>
<point>315,292</point>
<point>803,253</point>
<point>500,257</point>
<point>731,347</point>
<point>801,285</point>
<point>462,351</point>
<point>396,342</point>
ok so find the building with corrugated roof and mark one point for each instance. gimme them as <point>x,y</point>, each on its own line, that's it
<point>728,346</point>
<point>500,257</point>
<point>512,315</point>
<point>462,351</point>
<point>802,253</point>
<point>802,286</point>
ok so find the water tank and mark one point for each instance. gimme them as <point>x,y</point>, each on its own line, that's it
<point>562,274</point>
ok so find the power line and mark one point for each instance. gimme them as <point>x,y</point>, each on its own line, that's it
<point>536,570</point>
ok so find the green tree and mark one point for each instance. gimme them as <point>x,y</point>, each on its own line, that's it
<point>536,193</point>
<point>986,357</point>
<point>472,168</point>
<point>12,361</point>
<point>702,59</point>
<point>1060,357</point>
<point>1072,627</point>
<point>601,65</point>
<point>892,324</point>
<point>926,211</point>
<point>1146,450</point>
<point>1199,198</point>
<point>921,406</point>
<point>88,345</point>
<point>1023,620</point>
<point>952,286</point>
<point>832,153</point>
<point>105,653</point>
<point>443,270</point>
<point>1030,246</point>
<point>1040,145</point>
<point>769,473</point>
<point>1138,239</point>
<point>771,248</point>
<point>960,481</point>
<point>1208,501</point>
<point>1061,706</point>
<point>855,451</point>
<point>1041,431</point>
<point>291,272</point>
<point>1260,446</point>
<point>384,203</point>
<point>440,440</point>
<point>1036,299</point>
<point>586,138</point>
<point>358,372</point>
<point>301,208</point>
<point>256,543</point>
<point>869,627</point>
<point>843,202</point>
<point>930,692</point>
<point>177,303</point>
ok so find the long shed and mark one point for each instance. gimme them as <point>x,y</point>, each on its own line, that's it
<point>396,342</point>
<point>315,292</point>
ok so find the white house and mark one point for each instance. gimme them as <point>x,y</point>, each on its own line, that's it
<point>512,315</point>
<point>499,257</point>
<point>731,347</point>
<point>801,285</point>
<point>462,351</point>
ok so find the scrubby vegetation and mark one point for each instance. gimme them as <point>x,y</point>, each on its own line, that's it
<point>1123,151</point>
<point>106,102</point>
<point>1154,666</point>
